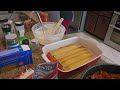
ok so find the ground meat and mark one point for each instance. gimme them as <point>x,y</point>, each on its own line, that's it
<point>104,75</point>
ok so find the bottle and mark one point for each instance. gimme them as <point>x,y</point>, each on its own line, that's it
<point>20,28</point>
<point>44,16</point>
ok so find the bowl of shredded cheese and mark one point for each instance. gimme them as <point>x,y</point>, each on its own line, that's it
<point>47,36</point>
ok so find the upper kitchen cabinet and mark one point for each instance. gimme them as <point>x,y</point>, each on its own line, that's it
<point>97,22</point>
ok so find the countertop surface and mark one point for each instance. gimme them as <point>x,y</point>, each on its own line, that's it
<point>110,53</point>
<point>37,59</point>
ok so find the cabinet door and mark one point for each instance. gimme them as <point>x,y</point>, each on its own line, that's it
<point>106,13</point>
<point>102,26</point>
<point>91,21</point>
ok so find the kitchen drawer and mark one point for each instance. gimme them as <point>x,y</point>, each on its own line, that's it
<point>102,26</point>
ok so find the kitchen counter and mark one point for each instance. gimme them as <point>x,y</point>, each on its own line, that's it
<point>112,54</point>
<point>37,59</point>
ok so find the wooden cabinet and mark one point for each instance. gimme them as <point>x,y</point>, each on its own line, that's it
<point>101,26</point>
<point>97,22</point>
<point>91,21</point>
<point>106,13</point>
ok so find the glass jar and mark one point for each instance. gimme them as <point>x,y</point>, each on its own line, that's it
<point>6,28</point>
<point>11,40</point>
<point>2,36</point>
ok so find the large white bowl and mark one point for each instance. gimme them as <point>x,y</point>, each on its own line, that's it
<point>47,39</point>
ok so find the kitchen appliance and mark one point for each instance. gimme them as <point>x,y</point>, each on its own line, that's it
<point>112,37</point>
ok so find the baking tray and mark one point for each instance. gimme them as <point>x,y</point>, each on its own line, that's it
<point>90,44</point>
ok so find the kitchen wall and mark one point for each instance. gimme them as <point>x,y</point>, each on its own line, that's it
<point>5,14</point>
<point>13,16</point>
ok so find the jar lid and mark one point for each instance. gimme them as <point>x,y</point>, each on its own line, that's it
<point>11,36</point>
<point>19,23</point>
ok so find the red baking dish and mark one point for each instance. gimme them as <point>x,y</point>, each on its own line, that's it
<point>90,44</point>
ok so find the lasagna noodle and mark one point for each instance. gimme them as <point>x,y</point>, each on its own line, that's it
<point>64,49</point>
<point>71,56</point>
<point>76,59</point>
<point>81,62</point>
<point>74,55</point>
<point>67,54</point>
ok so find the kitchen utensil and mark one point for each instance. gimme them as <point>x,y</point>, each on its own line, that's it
<point>40,20</point>
<point>44,28</point>
<point>55,28</point>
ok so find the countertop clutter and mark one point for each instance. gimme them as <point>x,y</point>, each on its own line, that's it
<point>37,59</point>
<point>36,68</point>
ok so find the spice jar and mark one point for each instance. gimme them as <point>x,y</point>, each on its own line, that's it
<point>11,40</point>
<point>20,29</point>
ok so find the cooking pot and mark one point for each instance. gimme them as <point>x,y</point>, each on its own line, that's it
<point>110,68</point>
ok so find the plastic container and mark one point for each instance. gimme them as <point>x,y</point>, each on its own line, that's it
<point>20,29</point>
<point>39,35</point>
<point>11,40</point>
<point>90,44</point>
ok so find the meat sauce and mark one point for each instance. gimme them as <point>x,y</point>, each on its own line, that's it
<point>103,75</point>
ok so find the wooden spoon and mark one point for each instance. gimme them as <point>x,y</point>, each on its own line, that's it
<point>55,28</point>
